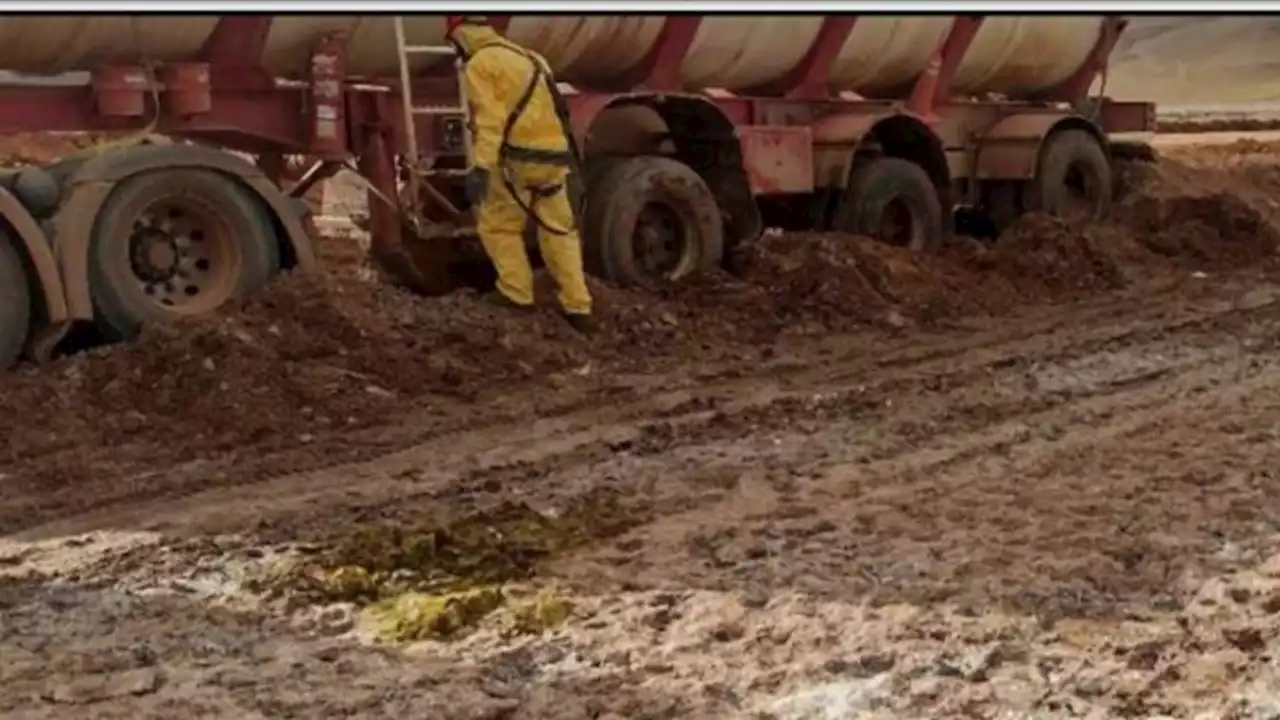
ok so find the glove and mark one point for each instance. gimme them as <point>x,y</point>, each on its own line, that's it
<point>477,185</point>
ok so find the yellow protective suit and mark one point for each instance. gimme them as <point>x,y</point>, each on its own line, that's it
<point>497,76</point>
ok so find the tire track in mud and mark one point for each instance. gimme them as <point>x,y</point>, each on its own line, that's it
<point>472,468</point>
<point>1099,535</point>
<point>580,398</point>
<point>260,437</point>
<point>959,490</point>
<point>997,508</point>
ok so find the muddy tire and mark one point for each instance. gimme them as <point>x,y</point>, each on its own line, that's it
<point>1073,179</point>
<point>650,219</point>
<point>598,176</point>
<point>15,304</point>
<point>176,243</point>
<point>892,200</point>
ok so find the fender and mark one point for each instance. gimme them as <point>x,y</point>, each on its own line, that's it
<point>91,183</point>
<point>47,282</point>
<point>836,139</point>
<point>1011,149</point>
<point>673,112</point>
<point>583,109</point>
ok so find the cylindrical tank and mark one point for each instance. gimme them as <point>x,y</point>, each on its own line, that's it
<point>1011,55</point>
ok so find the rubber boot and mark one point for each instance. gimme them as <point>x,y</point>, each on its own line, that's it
<point>584,324</point>
<point>495,298</point>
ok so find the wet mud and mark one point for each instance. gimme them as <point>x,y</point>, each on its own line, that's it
<point>1033,474</point>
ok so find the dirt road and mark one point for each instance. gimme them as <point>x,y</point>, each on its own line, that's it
<point>1034,478</point>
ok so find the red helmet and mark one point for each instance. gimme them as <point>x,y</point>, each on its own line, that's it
<point>451,22</point>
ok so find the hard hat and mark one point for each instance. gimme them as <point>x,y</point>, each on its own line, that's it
<point>451,22</point>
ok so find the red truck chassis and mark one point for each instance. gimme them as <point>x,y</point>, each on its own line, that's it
<point>789,154</point>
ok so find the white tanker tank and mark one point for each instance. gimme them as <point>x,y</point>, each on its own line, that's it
<point>1011,55</point>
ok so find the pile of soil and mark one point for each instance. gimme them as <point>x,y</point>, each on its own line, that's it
<point>316,356</point>
<point>791,285</point>
<point>304,356</point>
<point>1211,231</point>
<point>1046,257</point>
<point>1168,217</point>
<point>832,281</point>
<point>310,359</point>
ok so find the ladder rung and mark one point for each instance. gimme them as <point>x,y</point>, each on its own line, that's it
<point>430,49</point>
<point>437,110</point>
<point>451,234</point>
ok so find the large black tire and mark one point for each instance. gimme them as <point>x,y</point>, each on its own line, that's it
<point>175,243</point>
<point>15,304</point>
<point>1073,178</point>
<point>892,200</point>
<point>599,177</point>
<point>650,219</point>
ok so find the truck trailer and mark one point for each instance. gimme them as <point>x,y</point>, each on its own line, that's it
<point>696,132</point>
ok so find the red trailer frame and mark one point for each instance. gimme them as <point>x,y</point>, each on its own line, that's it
<point>771,146</point>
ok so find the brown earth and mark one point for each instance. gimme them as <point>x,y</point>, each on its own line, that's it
<point>1222,125</point>
<point>314,360</point>
<point>1006,477</point>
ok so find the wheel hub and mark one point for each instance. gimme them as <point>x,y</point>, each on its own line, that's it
<point>659,239</point>
<point>896,224</point>
<point>168,254</point>
<point>155,256</point>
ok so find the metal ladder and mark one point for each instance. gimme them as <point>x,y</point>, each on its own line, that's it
<point>411,158</point>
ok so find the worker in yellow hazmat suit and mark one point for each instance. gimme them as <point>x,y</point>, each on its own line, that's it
<point>522,157</point>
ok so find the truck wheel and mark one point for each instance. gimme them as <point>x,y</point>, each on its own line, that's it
<point>1073,179</point>
<point>893,200</point>
<point>650,219</point>
<point>175,243</point>
<point>598,176</point>
<point>15,304</point>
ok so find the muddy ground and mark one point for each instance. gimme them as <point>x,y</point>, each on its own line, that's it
<point>1033,477</point>
<point>1190,125</point>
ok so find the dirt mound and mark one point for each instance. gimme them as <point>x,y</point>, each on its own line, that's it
<point>792,284</point>
<point>315,355</point>
<point>1214,230</point>
<point>1169,216</point>
<point>1204,208</point>
<point>311,355</point>
<point>307,355</point>
<point>1048,256</point>
<point>311,359</point>
<point>829,280</point>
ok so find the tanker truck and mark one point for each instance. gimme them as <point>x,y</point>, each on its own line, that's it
<point>695,133</point>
